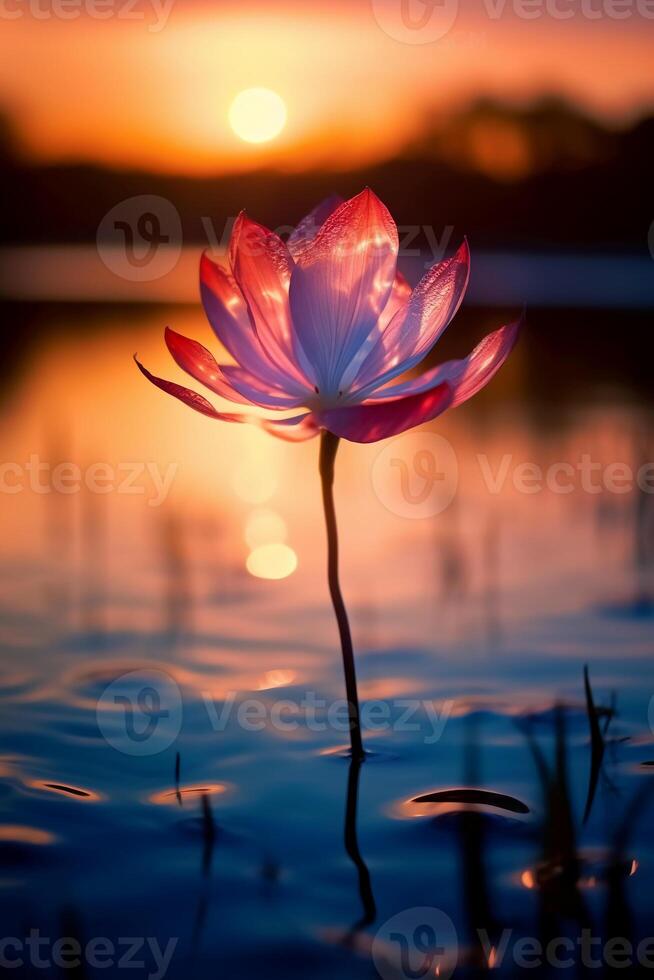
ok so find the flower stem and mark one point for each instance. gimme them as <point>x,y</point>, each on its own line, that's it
<point>328,447</point>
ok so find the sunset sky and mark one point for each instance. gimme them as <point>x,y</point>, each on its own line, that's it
<point>154,91</point>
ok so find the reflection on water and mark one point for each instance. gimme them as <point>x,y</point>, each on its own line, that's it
<point>75,791</point>
<point>271,561</point>
<point>138,536</point>
<point>178,795</point>
<point>24,835</point>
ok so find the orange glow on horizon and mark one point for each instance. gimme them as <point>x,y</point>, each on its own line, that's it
<point>354,95</point>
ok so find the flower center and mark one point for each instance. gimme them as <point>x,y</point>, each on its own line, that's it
<point>324,398</point>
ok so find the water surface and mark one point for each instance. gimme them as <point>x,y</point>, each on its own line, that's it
<point>243,833</point>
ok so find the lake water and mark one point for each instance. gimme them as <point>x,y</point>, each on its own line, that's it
<point>173,764</point>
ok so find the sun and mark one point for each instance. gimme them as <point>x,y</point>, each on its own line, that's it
<point>257,115</point>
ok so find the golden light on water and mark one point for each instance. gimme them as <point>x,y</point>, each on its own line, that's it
<point>277,678</point>
<point>19,834</point>
<point>270,557</point>
<point>272,561</point>
<point>170,797</point>
<point>264,527</point>
<point>257,115</point>
<point>72,792</point>
<point>253,482</point>
<point>527,879</point>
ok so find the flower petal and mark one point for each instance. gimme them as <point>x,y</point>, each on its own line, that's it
<point>227,313</point>
<point>398,299</point>
<point>415,329</point>
<point>307,229</point>
<point>254,391</point>
<point>230,382</point>
<point>466,376</point>
<point>293,430</point>
<point>297,429</point>
<point>190,398</point>
<point>371,422</point>
<point>197,361</point>
<point>341,284</point>
<point>262,267</point>
<point>400,293</point>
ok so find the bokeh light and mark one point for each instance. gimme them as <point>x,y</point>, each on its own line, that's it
<point>273,561</point>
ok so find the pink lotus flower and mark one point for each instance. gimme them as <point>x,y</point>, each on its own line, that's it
<point>326,323</point>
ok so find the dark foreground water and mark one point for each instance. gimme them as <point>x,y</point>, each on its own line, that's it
<point>175,798</point>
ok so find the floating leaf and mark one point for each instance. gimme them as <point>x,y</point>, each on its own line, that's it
<point>480,796</point>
